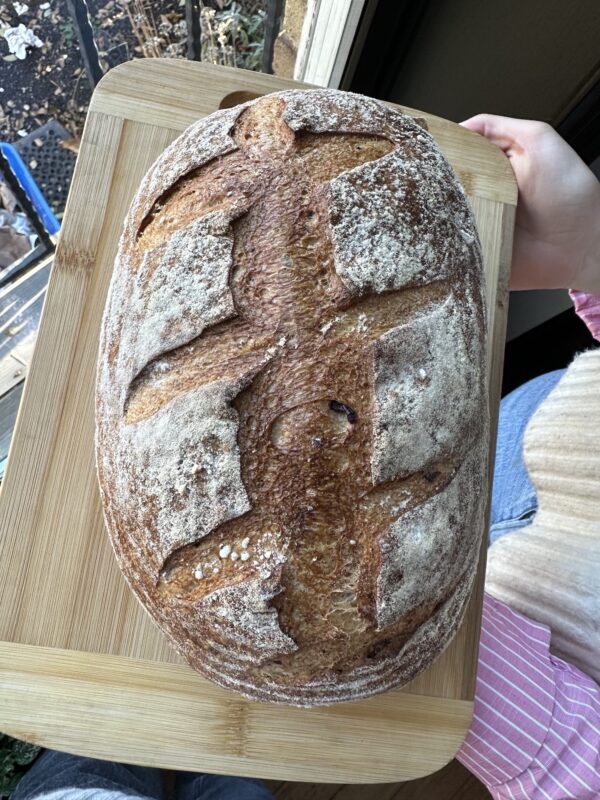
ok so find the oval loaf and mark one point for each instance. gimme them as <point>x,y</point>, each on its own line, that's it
<point>292,423</point>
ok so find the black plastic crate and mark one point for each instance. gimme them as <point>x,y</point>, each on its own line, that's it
<point>50,164</point>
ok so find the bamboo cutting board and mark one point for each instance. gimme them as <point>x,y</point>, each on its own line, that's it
<point>82,668</point>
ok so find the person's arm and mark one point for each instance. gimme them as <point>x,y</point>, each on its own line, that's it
<point>536,726</point>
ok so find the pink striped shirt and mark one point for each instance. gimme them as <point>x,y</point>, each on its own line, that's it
<point>536,725</point>
<point>587,307</point>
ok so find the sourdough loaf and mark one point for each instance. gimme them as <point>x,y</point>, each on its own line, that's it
<point>291,402</point>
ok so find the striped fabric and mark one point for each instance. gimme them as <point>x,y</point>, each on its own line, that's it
<point>587,307</point>
<point>550,570</point>
<point>536,726</point>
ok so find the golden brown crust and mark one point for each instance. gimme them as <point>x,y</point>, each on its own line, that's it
<point>291,405</point>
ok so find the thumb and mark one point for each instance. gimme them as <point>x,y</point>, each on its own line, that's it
<point>476,123</point>
<point>498,130</point>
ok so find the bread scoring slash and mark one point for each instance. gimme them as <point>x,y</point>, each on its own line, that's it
<point>291,405</point>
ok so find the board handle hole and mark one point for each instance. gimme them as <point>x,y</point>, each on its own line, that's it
<point>235,98</point>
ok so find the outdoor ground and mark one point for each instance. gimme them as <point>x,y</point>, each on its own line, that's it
<point>51,81</point>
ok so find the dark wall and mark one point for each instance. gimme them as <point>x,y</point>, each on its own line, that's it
<point>455,58</point>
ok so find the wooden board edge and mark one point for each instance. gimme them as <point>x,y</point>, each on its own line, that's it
<point>497,334</point>
<point>245,738</point>
<point>112,81</point>
<point>35,433</point>
<point>113,98</point>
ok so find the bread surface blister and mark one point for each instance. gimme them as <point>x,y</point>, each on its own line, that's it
<point>291,405</point>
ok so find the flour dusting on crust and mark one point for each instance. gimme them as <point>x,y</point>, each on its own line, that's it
<point>187,459</point>
<point>181,288</point>
<point>200,143</point>
<point>396,222</point>
<point>435,537</point>
<point>326,110</point>
<point>426,371</point>
<point>247,615</point>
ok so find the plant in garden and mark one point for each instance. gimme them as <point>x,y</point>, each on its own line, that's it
<point>143,25</point>
<point>68,32</point>
<point>233,35</point>
<point>15,759</point>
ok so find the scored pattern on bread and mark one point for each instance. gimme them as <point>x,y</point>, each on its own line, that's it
<point>183,285</point>
<point>423,371</point>
<point>430,539</point>
<point>291,406</point>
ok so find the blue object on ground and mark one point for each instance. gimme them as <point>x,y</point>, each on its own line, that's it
<point>30,187</point>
